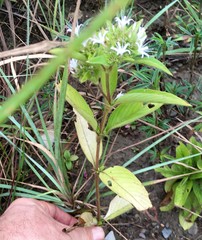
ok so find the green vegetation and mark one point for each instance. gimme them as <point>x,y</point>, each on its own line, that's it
<point>186,183</point>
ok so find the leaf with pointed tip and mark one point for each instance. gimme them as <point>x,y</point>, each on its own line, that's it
<point>126,185</point>
<point>152,62</point>
<point>129,112</point>
<point>150,96</point>
<point>117,207</point>
<point>75,99</point>
<point>87,138</point>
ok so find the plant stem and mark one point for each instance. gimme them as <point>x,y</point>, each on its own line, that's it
<point>107,87</point>
<point>97,180</point>
<point>106,112</point>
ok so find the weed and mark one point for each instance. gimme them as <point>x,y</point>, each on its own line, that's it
<point>184,183</point>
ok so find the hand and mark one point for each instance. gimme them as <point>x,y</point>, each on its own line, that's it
<point>38,220</point>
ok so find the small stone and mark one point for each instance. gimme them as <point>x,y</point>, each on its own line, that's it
<point>193,230</point>
<point>110,236</point>
<point>166,232</point>
<point>142,235</point>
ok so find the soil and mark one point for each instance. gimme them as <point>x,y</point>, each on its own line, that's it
<point>149,225</point>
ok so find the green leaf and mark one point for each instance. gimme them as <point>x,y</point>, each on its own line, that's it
<point>165,171</point>
<point>87,139</point>
<point>197,189</point>
<point>199,164</point>
<point>74,158</point>
<point>183,151</point>
<point>196,176</point>
<point>168,207</point>
<point>178,169</point>
<point>69,165</point>
<point>182,191</point>
<point>127,186</point>
<point>152,62</point>
<point>194,150</point>
<point>185,224</point>
<point>110,75</point>
<point>117,207</point>
<point>67,154</point>
<point>150,96</point>
<point>74,98</point>
<point>169,184</point>
<point>98,60</point>
<point>129,112</point>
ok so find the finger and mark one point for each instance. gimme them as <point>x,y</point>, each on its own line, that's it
<point>48,208</point>
<point>87,233</point>
<point>56,213</point>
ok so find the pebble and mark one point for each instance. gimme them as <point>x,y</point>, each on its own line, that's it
<point>110,236</point>
<point>166,232</point>
<point>193,230</point>
<point>142,235</point>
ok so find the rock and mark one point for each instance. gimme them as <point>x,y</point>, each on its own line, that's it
<point>142,235</point>
<point>110,236</point>
<point>193,230</point>
<point>166,232</point>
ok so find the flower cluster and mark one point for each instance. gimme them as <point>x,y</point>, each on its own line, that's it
<point>120,42</point>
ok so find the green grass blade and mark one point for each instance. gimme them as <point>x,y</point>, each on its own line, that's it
<point>158,141</point>
<point>43,170</point>
<point>160,13</point>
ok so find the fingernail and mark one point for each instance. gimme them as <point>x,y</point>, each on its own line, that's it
<point>98,233</point>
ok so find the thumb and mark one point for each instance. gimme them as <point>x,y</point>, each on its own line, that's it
<point>87,233</point>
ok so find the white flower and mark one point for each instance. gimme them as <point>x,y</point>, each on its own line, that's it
<point>73,64</point>
<point>142,50</point>
<point>99,38</point>
<point>121,49</point>
<point>141,35</point>
<point>77,29</point>
<point>123,21</point>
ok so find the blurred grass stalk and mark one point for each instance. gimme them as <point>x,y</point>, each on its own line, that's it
<point>36,82</point>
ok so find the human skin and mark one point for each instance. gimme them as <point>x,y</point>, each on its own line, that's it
<point>38,220</point>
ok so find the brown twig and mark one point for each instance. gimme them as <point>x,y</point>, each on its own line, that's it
<point>39,47</point>
<point>11,21</point>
